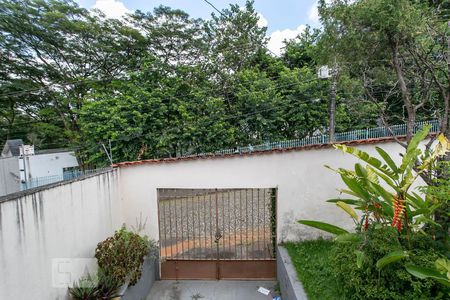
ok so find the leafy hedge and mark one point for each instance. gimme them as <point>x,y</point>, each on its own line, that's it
<point>392,281</point>
<point>122,255</point>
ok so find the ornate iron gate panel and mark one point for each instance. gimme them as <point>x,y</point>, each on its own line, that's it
<point>217,233</point>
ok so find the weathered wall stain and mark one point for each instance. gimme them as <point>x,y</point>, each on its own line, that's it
<point>0,219</point>
<point>64,220</point>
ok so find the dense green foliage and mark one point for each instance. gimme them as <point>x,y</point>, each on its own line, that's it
<point>121,256</point>
<point>397,49</point>
<point>313,261</point>
<point>391,282</point>
<point>400,244</point>
<point>328,269</point>
<point>163,83</point>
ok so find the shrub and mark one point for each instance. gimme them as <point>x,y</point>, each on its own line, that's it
<point>100,287</point>
<point>122,255</point>
<point>108,287</point>
<point>84,289</point>
<point>392,281</point>
<point>396,228</point>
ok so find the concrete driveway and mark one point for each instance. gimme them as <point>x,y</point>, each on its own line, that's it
<point>210,290</point>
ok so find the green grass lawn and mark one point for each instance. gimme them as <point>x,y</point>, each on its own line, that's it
<point>312,261</point>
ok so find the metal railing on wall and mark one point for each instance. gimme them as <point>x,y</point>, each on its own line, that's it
<point>363,134</point>
<point>68,175</point>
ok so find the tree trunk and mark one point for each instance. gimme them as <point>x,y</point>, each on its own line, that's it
<point>406,97</point>
<point>332,108</point>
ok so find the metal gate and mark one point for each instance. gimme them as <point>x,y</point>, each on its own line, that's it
<point>217,233</point>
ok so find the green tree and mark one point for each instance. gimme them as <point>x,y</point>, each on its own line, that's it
<point>303,109</point>
<point>153,115</point>
<point>172,36</point>
<point>395,47</point>
<point>62,51</point>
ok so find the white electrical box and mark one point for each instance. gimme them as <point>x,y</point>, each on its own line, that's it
<point>26,150</point>
<point>324,72</point>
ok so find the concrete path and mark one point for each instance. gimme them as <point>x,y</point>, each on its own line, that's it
<point>209,290</point>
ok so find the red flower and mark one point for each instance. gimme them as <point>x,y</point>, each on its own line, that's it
<point>399,210</point>
<point>366,222</point>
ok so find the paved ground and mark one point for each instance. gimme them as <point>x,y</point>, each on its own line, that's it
<point>190,221</point>
<point>209,290</point>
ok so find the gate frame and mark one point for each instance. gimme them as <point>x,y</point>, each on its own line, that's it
<point>268,272</point>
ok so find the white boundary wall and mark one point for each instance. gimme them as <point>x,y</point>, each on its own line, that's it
<point>9,175</point>
<point>64,220</point>
<point>302,180</point>
<point>68,219</point>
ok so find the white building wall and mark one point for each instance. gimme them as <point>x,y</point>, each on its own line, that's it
<point>50,164</point>
<point>9,175</point>
<point>302,180</point>
<point>63,221</point>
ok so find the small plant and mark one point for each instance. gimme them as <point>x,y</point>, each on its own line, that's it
<point>85,289</point>
<point>121,256</point>
<point>108,287</point>
<point>197,296</point>
<point>100,287</point>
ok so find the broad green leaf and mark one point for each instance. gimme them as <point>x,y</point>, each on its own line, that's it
<point>386,179</point>
<point>422,273</point>
<point>348,201</point>
<point>388,160</point>
<point>348,238</point>
<point>323,226</point>
<point>390,258</point>
<point>360,256</point>
<point>387,209</point>
<point>360,171</point>
<point>378,226</point>
<point>408,177</point>
<point>423,219</point>
<point>348,192</point>
<point>355,186</point>
<point>348,210</point>
<point>421,211</point>
<point>416,201</point>
<point>372,176</point>
<point>364,156</point>
<point>441,149</point>
<point>443,265</point>
<point>412,152</point>
<point>388,197</point>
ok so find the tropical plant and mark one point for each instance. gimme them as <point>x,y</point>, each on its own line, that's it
<point>121,256</point>
<point>438,193</point>
<point>395,206</point>
<point>382,191</point>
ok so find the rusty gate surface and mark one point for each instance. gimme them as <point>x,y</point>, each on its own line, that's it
<point>217,233</point>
